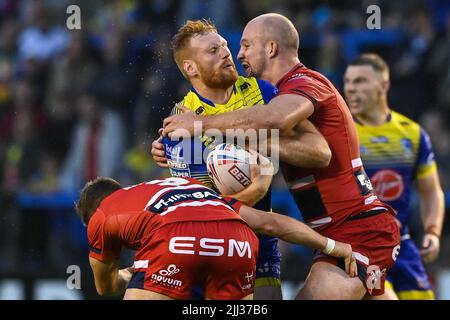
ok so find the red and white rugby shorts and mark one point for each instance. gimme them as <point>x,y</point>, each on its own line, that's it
<point>218,256</point>
<point>375,240</point>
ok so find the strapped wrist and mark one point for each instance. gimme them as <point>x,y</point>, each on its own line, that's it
<point>330,246</point>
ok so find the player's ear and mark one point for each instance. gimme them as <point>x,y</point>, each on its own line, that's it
<point>386,85</point>
<point>190,67</point>
<point>272,49</point>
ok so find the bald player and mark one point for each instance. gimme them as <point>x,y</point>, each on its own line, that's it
<point>337,200</point>
<point>203,57</point>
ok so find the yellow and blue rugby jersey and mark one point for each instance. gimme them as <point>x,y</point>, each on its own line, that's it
<point>395,154</point>
<point>187,158</point>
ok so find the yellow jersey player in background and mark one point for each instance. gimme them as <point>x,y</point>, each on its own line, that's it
<point>203,57</point>
<point>396,153</point>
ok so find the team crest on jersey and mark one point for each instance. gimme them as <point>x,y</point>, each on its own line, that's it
<point>388,185</point>
<point>244,86</point>
<point>407,146</point>
<point>199,110</point>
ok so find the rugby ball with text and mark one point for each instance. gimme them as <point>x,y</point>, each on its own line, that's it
<point>229,168</point>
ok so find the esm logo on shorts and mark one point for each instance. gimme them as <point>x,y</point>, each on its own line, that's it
<point>209,247</point>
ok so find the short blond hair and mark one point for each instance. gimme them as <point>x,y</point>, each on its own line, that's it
<point>187,31</point>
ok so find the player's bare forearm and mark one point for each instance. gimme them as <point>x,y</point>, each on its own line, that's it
<point>432,203</point>
<point>250,195</point>
<point>261,174</point>
<point>255,117</point>
<point>109,280</point>
<point>283,113</point>
<point>283,227</point>
<point>294,231</point>
<point>305,147</point>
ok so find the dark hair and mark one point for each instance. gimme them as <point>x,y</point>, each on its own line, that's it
<point>92,194</point>
<point>371,59</point>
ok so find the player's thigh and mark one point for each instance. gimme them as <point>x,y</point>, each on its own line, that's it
<point>327,281</point>
<point>269,292</point>
<point>141,294</point>
<point>232,274</point>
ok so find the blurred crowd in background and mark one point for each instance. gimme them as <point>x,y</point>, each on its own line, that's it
<point>76,104</point>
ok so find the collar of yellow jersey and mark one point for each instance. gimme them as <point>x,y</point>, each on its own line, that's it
<point>207,101</point>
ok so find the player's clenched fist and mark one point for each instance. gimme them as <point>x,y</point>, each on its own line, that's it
<point>158,152</point>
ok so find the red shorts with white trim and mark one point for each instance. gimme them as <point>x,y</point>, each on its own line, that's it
<point>216,256</point>
<point>375,240</point>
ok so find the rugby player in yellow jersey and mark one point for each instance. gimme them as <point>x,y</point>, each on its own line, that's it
<point>203,57</point>
<point>396,153</point>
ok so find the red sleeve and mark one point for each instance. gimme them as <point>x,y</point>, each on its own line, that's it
<point>233,203</point>
<point>103,245</point>
<point>310,88</point>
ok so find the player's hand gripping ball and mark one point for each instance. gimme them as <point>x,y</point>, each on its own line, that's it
<point>229,168</point>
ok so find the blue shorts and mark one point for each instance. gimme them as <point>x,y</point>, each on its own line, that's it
<point>268,264</point>
<point>408,276</point>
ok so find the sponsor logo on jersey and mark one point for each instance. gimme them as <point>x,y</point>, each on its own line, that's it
<point>380,139</point>
<point>395,252</point>
<point>176,164</point>
<point>388,184</point>
<point>171,198</point>
<point>248,277</point>
<point>173,152</point>
<point>164,277</point>
<point>365,184</point>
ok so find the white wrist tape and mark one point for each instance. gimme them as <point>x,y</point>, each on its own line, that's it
<point>330,246</point>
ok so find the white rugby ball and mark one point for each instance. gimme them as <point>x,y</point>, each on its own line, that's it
<point>229,168</point>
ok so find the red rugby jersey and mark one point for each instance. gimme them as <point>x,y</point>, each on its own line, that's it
<point>130,214</point>
<point>327,196</point>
